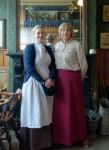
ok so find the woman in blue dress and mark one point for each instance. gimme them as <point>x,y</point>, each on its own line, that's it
<point>36,107</point>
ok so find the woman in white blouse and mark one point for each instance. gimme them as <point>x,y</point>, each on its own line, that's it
<point>69,124</point>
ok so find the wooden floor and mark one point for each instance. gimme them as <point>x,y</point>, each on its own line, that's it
<point>98,143</point>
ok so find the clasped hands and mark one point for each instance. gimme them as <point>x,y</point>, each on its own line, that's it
<point>48,83</point>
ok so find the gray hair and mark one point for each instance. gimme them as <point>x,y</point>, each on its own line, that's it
<point>68,26</point>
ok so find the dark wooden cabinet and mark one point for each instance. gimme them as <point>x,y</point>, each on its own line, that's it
<point>17,69</point>
<point>17,77</point>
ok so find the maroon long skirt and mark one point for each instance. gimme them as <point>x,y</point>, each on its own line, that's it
<point>69,123</point>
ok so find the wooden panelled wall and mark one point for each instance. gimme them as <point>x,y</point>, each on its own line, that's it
<point>3,58</point>
<point>102,54</point>
<point>102,65</point>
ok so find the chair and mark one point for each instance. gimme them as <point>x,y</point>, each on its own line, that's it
<point>8,102</point>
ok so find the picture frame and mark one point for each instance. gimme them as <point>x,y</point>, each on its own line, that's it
<point>63,15</point>
<point>104,40</point>
<point>2,33</point>
<point>106,13</point>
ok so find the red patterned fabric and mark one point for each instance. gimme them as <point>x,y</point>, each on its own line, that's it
<point>69,124</point>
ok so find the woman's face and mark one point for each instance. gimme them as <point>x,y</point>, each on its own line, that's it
<point>65,34</point>
<point>39,35</point>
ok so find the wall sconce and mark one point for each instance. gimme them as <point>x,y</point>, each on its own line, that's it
<point>80,2</point>
<point>74,6</point>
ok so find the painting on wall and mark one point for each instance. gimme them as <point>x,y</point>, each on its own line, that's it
<point>63,15</point>
<point>104,41</point>
<point>106,13</point>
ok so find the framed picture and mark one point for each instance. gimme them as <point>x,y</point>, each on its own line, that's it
<point>63,15</point>
<point>2,32</point>
<point>104,40</point>
<point>106,13</point>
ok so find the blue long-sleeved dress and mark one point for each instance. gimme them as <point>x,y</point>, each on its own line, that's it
<point>36,107</point>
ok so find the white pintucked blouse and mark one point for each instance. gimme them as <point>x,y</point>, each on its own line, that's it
<point>70,56</point>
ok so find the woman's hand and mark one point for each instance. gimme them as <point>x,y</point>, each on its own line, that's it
<point>49,83</point>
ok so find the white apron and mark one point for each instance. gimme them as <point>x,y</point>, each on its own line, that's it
<point>36,107</point>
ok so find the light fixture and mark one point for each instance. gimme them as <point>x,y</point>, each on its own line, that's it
<point>80,2</point>
<point>74,6</point>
